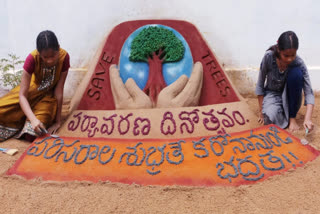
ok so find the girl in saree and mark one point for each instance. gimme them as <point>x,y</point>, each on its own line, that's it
<point>35,105</point>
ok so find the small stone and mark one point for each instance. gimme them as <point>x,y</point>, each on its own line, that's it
<point>304,141</point>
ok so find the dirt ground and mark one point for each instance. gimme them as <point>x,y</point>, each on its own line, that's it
<point>296,191</point>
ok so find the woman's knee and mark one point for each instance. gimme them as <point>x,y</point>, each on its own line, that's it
<point>295,76</point>
<point>294,89</point>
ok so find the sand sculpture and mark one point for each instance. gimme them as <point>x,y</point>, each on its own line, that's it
<point>156,107</point>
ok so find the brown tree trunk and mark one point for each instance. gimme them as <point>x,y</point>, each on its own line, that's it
<point>155,81</point>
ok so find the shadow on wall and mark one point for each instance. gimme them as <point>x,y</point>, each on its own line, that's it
<point>75,76</point>
<point>244,80</point>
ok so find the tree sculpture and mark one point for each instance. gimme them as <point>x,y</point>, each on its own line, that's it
<point>156,45</point>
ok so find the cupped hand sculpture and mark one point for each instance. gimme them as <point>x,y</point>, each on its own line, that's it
<point>183,92</point>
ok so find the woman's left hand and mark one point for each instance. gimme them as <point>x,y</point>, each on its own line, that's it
<point>308,124</point>
<point>54,128</point>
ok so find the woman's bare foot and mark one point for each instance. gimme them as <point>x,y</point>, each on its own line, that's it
<point>293,125</point>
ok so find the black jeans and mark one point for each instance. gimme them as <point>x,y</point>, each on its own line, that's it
<point>294,90</point>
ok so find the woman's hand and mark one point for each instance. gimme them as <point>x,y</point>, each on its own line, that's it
<point>37,126</point>
<point>260,118</point>
<point>308,124</point>
<point>54,128</point>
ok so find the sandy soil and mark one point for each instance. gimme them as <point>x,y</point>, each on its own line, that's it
<point>296,191</point>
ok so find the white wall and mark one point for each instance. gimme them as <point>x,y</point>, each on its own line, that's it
<point>238,31</point>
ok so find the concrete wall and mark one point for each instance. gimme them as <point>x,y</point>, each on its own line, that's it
<point>238,31</point>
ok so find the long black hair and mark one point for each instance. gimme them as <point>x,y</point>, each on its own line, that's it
<point>287,40</point>
<point>47,39</point>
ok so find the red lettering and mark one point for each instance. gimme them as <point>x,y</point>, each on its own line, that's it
<point>216,74</point>
<point>206,55</point>
<point>221,82</point>
<point>96,82</point>
<point>103,71</point>
<point>106,58</point>
<point>212,62</point>
<point>225,92</point>
<point>93,94</point>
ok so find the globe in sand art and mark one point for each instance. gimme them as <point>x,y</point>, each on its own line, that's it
<point>139,71</point>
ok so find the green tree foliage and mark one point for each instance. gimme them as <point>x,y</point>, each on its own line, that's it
<point>9,75</point>
<point>153,39</point>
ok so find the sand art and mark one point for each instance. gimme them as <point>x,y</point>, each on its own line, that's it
<point>229,159</point>
<point>160,122</point>
<point>216,86</point>
<point>187,125</point>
